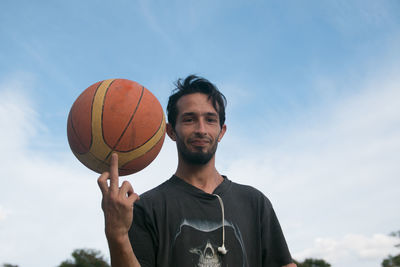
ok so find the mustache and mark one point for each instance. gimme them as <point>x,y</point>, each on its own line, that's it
<point>199,137</point>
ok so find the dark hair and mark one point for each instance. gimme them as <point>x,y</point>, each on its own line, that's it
<point>194,84</point>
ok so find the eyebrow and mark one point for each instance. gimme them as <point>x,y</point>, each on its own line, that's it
<point>213,114</point>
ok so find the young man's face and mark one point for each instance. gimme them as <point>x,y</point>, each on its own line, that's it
<point>197,129</point>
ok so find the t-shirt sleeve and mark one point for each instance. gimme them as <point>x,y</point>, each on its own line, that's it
<point>143,238</point>
<point>275,250</point>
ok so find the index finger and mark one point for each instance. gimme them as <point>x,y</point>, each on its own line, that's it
<point>114,175</point>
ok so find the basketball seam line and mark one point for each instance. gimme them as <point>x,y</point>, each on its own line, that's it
<point>75,133</point>
<point>155,133</point>
<point>73,126</point>
<point>127,125</point>
<point>101,162</point>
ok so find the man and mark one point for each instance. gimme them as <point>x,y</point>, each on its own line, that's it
<point>198,217</point>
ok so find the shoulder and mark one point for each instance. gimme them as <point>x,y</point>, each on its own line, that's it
<point>164,194</point>
<point>163,188</point>
<point>251,194</point>
<point>158,192</point>
<point>247,190</point>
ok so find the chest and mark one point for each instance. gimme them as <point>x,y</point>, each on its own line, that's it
<point>191,230</point>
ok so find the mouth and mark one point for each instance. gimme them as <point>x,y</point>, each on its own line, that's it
<point>199,142</point>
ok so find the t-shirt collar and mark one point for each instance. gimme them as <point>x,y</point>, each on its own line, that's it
<point>182,184</point>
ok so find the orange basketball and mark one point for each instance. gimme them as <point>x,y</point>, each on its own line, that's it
<point>116,115</point>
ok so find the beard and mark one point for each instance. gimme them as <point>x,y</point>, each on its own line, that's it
<point>195,157</point>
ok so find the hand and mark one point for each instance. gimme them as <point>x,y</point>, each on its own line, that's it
<point>117,202</point>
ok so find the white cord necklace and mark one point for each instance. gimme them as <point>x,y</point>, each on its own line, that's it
<point>222,248</point>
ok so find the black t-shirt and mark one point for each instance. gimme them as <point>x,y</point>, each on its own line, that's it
<point>179,225</point>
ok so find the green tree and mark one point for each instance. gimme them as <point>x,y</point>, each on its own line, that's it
<point>396,234</point>
<point>85,258</point>
<point>393,261</point>
<point>309,262</point>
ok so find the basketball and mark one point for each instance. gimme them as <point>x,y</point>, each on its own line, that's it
<point>116,115</point>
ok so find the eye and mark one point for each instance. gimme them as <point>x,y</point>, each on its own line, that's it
<point>212,120</point>
<point>187,119</point>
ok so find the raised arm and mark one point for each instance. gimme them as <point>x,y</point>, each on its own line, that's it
<point>117,205</point>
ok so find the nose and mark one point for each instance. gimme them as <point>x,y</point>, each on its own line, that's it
<point>201,127</point>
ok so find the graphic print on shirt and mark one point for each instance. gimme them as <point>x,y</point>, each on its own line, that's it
<point>196,244</point>
<point>208,256</point>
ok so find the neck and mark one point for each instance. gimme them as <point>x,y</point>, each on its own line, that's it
<point>204,177</point>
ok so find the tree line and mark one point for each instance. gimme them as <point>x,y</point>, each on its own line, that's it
<point>94,258</point>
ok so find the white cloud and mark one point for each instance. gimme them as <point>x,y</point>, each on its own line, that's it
<point>43,199</point>
<point>49,202</point>
<point>3,213</point>
<point>351,247</point>
<point>337,173</point>
<point>17,116</point>
<point>334,175</point>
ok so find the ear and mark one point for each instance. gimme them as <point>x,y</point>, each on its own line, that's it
<point>222,132</point>
<point>171,132</point>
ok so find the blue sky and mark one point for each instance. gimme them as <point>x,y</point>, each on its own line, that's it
<point>313,119</point>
